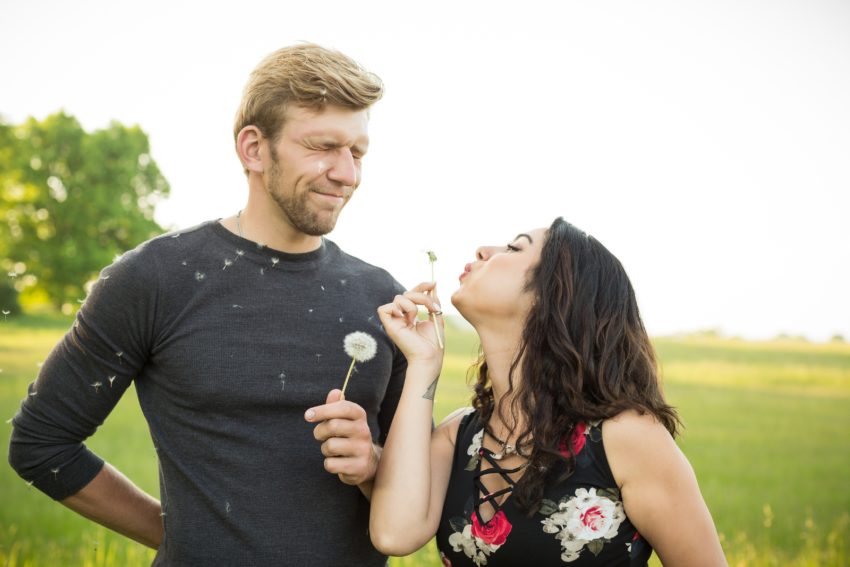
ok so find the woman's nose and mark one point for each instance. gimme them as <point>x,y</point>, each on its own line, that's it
<point>484,252</point>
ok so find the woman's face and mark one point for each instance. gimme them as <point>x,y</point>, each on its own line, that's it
<point>494,284</point>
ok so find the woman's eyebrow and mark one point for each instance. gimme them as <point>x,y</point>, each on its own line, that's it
<point>524,235</point>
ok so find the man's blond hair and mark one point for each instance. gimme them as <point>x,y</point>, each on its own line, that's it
<point>305,75</point>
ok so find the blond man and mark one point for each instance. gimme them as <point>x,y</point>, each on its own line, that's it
<point>232,332</point>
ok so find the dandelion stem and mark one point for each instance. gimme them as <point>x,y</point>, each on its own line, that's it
<point>347,376</point>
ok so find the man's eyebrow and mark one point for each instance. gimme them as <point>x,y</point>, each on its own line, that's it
<point>522,234</point>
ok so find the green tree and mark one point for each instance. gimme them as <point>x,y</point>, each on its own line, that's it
<point>71,201</point>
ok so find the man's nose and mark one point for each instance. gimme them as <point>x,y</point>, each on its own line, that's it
<point>344,170</point>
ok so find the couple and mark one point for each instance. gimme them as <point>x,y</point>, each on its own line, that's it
<point>231,329</point>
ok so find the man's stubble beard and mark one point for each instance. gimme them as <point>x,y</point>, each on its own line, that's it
<point>296,207</point>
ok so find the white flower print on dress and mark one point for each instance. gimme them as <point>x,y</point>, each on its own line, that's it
<point>589,519</point>
<point>473,547</point>
<point>474,450</point>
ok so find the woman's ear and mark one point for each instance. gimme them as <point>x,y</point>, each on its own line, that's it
<point>248,143</point>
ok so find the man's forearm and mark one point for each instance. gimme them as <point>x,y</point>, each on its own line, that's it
<point>112,500</point>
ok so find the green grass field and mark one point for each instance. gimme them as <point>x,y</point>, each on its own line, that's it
<point>767,431</point>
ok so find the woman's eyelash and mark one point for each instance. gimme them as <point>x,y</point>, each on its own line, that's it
<point>513,248</point>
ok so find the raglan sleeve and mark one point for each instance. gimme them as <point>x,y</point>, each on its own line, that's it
<point>83,378</point>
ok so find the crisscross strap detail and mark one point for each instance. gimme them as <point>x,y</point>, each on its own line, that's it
<point>491,497</point>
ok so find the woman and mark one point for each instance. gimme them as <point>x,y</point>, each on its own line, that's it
<point>568,456</point>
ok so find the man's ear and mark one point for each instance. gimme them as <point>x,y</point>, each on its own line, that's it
<point>248,143</point>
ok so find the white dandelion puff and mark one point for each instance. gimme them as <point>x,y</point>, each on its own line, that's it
<point>275,261</point>
<point>361,347</point>
<point>227,262</point>
<point>200,276</point>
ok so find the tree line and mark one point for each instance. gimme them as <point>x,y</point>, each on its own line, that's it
<point>70,201</point>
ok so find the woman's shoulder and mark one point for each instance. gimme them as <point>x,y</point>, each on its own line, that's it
<point>453,423</point>
<point>636,442</point>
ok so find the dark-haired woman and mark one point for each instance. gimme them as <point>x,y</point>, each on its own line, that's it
<point>568,456</point>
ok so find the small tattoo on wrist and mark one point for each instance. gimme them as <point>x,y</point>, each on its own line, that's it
<point>432,389</point>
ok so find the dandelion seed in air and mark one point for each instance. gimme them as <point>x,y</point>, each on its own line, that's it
<point>120,355</point>
<point>6,314</point>
<point>227,507</point>
<point>310,310</point>
<point>343,282</point>
<point>282,377</point>
<point>227,262</point>
<point>97,385</point>
<point>55,472</point>
<point>30,483</point>
<point>361,347</point>
<point>200,276</point>
<point>13,274</point>
<point>111,380</point>
<point>183,263</point>
<point>275,262</point>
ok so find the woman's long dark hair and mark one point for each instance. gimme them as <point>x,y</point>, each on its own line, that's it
<point>584,355</point>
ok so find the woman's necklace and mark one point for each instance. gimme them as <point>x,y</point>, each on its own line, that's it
<point>506,450</point>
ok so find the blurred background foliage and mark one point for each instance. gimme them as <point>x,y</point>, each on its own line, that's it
<point>71,201</point>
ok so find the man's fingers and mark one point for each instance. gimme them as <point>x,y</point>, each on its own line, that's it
<point>335,410</point>
<point>342,428</point>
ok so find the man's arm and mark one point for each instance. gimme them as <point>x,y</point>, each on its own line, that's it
<point>112,500</point>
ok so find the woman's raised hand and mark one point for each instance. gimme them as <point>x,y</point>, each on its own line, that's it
<point>417,339</point>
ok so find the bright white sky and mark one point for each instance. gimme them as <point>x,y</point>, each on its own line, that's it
<point>706,144</point>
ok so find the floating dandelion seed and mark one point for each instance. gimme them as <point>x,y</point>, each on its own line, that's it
<point>323,287</point>
<point>240,252</point>
<point>30,483</point>
<point>275,261</point>
<point>262,271</point>
<point>343,282</point>
<point>200,275</point>
<point>13,274</point>
<point>310,310</point>
<point>340,319</point>
<point>183,263</point>
<point>55,472</point>
<point>6,314</point>
<point>97,385</point>
<point>260,245</point>
<point>361,347</point>
<point>111,380</point>
<point>120,354</point>
<point>227,262</point>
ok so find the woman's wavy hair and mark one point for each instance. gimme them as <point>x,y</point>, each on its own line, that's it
<point>584,356</point>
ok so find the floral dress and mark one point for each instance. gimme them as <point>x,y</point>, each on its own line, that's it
<point>580,523</point>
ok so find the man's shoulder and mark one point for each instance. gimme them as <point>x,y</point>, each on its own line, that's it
<point>357,267</point>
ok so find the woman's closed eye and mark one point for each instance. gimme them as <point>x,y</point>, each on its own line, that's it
<point>512,248</point>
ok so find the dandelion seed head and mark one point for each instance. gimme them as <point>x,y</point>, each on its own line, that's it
<point>431,256</point>
<point>360,346</point>
<point>200,275</point>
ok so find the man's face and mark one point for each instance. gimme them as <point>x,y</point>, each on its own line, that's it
<point>314,167</point>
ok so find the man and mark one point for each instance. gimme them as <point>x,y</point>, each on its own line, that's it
<point>231,330</point>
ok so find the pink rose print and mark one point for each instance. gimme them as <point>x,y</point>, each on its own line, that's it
<point>494,532</point>
<point>577,440</point>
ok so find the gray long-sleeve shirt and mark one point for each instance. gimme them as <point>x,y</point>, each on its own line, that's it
<point>228,344</point>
